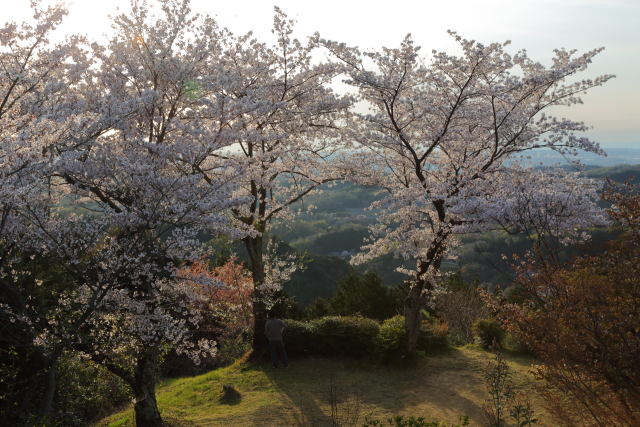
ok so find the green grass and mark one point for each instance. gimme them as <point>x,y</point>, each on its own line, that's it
<point>441,387</point>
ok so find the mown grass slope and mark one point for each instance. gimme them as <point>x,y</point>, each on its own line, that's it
<point>441,387</point>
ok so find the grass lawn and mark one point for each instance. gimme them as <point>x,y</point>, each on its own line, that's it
<point>441,387</point>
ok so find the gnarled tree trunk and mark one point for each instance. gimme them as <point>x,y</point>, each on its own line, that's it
<point>255,251</point>
<point>415,300</point>
<point>46,405</point>
<point>144,390</point>
<point>413,316</point>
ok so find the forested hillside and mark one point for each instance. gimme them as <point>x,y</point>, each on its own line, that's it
<point>335,229</point>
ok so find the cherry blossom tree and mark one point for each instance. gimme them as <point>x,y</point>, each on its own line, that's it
<point>39,114</point>
<point>443,139</point>
<point>142,185</point>
<point>579,319</point>
<point>157,181</point>
<point>286,144</point>
<point>42,114</point>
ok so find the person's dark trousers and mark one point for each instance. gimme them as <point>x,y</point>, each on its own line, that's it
<point>278,353</point>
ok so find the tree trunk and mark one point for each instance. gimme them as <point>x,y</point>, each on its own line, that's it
<point>415,301</point>
<point>254,249</point>
<point>50,383</point>
<point>144,389</point>
<point>413,316</point>
<point>46,406</point>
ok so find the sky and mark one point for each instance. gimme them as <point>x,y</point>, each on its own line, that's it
<point>539,26</point>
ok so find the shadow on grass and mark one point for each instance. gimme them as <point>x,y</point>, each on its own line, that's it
<point>229,395</point>
<point>443,386</point>
<point>301,385</point>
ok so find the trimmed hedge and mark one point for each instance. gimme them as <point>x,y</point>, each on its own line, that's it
<point>299,337</point>
<point>391,340</point>
<point>358,337</point>
<point>331,336</point>
<point>345,336</point>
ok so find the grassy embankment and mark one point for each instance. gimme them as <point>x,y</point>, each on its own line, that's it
<point>441,387</point>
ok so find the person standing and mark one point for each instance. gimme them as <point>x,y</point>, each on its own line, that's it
<point>273,331</point>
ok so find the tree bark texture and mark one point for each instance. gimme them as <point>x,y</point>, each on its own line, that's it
<point>144,389</point>
<point>255,251</point>
<point>413,304</point>
<point>46,405</point>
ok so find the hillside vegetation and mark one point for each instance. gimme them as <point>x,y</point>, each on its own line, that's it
<point>337,227</point>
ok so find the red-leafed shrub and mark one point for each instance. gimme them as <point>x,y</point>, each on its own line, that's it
<point>227,290</point>
<point>583,323</point>
<point>228,314</point>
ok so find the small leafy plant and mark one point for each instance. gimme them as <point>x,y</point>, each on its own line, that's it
<point>503,400</point>
<point>401,421</point>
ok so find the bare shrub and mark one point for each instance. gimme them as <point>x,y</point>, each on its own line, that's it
<point>346,410</point>
<point>460,308</point>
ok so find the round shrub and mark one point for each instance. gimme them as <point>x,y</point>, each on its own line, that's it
<point>344,336</point>
<point>299,337</point>
<point>357,336</point>
<point>489,332</point>
<point>391,341</point>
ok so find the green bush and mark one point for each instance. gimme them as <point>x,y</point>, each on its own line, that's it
<point>364,295</point>
<point>331,336</point>
<point>299,337</point>
<point>86,392</point>
<point>320,307</point>
<point>359,337</point>
<point>513,343</point>
<point>345,336</point>
<point>391,341</point>
<point>488,332</point>
<point>230,348</point>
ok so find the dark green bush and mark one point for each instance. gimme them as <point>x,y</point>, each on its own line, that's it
<point>86,392</point>
<point>318,308</point>
<point>359,337</point>
<point>513,343</point>
<point>489,333</point>
<point>230,348</point>
<point>391,341</point>
<point>345,336</point>
<point>364,295</point>
<point>331,336</point>
<point>299,337</point>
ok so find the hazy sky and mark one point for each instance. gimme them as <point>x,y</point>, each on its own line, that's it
<point>536,25</point>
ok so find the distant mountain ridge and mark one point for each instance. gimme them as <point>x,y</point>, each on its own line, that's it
<point>619,173</point>
<point>614,157</point>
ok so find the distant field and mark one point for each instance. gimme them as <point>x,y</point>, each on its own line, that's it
<point>441,387</point>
